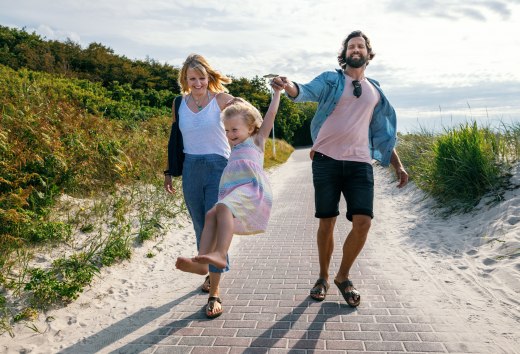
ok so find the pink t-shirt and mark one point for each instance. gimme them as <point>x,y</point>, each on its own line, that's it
<point>344,134</point>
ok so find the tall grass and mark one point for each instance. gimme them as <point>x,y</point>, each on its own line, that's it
<point>462,164</point>
<point>280,154</point>
<point>50,145</point>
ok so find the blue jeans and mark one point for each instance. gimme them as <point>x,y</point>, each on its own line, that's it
<point>200,180</point>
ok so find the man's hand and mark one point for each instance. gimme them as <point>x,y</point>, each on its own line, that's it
<point>402,177</point>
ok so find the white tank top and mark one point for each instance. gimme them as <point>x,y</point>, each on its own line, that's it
<point>203,132</point>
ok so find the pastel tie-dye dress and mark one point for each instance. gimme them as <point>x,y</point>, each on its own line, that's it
<point>245,190</point>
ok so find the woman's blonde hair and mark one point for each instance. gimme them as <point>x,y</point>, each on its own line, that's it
<point>216,80</point>
<point>248,112</point>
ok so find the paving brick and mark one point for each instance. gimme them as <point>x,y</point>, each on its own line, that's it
<point>289,333</point>
<point>195,341</point>
<point>311,344</point>
<point>424,347</point>
<point>269,342</point>
<point>392,319</point>
<point>209,350</point>
<point>361,335</point>
<point>219,332</point>
<point>399,336</point>
<point>169,349</point>
<point>344,345</point>
<point>384,346</point>
<point>415,327</point>
<point>233,342</point>
<point>327,335</point>
<point>239,324</point>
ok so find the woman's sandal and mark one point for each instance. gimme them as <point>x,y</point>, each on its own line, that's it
<point>352,297</point>
<point>206,285</point>
<point>319,290</point>
<point>211,305</point>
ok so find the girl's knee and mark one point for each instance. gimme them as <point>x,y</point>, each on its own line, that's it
<point>221,209</point>
<point>211,214</point>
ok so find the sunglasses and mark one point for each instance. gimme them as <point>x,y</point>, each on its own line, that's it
<point>357,88</point>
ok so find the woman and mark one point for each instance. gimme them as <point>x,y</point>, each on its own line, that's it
<point>198,148</point>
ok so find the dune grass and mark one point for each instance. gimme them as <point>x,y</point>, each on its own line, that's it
<point>461,165</point>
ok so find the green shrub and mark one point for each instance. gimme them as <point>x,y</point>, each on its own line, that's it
<point>461,165</point>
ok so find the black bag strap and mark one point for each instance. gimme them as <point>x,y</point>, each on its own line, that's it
<point>177,103</point>
<point>175,144</point>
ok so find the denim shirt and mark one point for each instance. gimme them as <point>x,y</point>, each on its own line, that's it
<point>327,88</point>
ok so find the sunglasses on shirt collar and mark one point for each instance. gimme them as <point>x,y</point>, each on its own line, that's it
<point>357,88</point>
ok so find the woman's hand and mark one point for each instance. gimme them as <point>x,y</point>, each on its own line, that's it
<point>168,186</point>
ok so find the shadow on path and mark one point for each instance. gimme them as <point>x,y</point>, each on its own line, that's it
<point>267,340</point>
<point>126,326</point>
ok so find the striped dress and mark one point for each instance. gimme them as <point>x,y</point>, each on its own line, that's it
<point>245,190</point>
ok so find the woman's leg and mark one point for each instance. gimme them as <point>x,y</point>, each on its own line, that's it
<point>224,236</point>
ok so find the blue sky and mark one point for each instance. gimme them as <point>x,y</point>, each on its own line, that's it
<point>446,60</point>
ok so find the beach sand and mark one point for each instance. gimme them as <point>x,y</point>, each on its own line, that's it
<point>477,255</point>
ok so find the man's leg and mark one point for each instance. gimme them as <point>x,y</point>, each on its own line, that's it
<point>351,248</point>
<point>326,173</point>
<point>325,240</point>
<point>353,245</point>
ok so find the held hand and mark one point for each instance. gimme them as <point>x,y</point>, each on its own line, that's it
<point>168,184</point>
<point>278,83</point>
<point>402,177</point>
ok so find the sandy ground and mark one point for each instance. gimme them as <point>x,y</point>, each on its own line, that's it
<point>477,255</point>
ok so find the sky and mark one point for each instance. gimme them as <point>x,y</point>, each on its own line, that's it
<point>439,62</point>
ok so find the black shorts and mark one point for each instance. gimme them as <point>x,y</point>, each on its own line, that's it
<point>333,177</point>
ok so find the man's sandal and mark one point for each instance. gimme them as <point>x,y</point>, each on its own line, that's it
<point>352,297</point>
<point>211,305</point>
<point>319,290</point>
<point>206,285</point>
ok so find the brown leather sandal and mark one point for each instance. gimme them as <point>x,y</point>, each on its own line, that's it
<point>211,305</point>
<point>319,290</point>
<point>352,297</point>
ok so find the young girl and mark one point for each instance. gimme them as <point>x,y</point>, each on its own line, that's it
<point>245,198</point>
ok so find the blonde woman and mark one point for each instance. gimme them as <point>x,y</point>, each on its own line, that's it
<point>198,149</point>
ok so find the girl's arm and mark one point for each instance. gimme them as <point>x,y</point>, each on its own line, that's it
<point>268,122</point>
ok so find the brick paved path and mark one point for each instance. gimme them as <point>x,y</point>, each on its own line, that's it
<point>267,308</point>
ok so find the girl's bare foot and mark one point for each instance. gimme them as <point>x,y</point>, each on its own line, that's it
<point>214,258</point>
<point>188,265</point>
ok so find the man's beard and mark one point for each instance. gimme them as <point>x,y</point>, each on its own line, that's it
<point>356,62</point>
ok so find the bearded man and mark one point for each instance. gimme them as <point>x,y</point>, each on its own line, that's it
<point>353,125</point>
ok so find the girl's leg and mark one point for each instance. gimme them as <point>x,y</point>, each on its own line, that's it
<point>208,239</point>
<point>207,245</point>
<point>224,235</point>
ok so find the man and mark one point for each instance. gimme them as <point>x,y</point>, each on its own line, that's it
<point>354,123</point>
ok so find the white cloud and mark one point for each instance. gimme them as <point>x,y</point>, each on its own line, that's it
<point>424,47</point>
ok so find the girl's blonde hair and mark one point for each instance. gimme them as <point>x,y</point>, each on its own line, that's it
<point>216,80</point>
<point>248,112</point>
